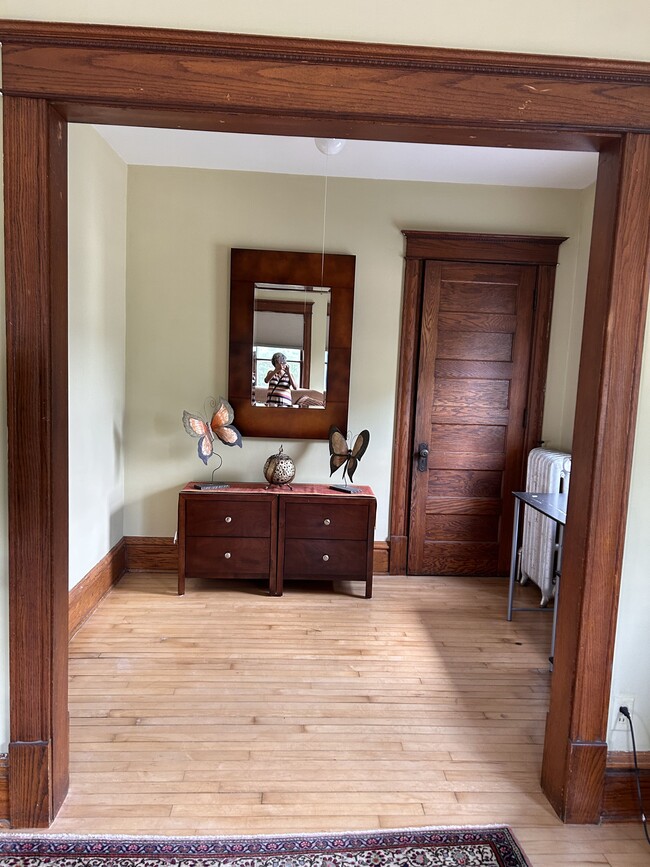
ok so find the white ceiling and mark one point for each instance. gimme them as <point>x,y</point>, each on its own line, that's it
<point>358,159</point>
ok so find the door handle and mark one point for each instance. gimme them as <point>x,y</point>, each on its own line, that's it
<point>423,457</point>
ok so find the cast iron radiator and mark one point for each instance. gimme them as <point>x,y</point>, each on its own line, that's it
<point>547,472</point>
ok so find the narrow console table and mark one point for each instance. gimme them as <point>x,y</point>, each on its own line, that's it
<point>553,506</point>
<point>275,533</point>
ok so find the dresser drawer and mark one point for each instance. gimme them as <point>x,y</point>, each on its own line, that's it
<point>228,517</point>
<point>215,557</point>
<point>304,558</point>
<point>328,519</point>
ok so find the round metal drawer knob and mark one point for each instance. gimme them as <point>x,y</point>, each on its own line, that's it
<point>227,555</point>
<point>326,557</point>
<point>228,519</point>
<point>327,522</point>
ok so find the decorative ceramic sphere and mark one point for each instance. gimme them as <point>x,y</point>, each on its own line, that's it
<point>279,469</point>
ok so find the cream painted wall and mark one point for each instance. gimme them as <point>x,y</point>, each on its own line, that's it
<point>632,649</point>
<point>96,347</point>
<point>588,27</point>
<point>182,223</point>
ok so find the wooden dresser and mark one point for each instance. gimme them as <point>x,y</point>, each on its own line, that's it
<point>275,533</point>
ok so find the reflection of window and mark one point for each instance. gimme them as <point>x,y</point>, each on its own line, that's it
<point>283,326</point>
<point>262,363</point>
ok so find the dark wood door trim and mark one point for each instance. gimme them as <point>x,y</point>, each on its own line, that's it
<point>86,73</point>
<point>35,154</point>
<point>407,373</point>
<point>575,750</point>
<point>427,340</point>
<point>351,89</point>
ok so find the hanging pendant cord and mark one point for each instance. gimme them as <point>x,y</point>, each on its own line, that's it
<point>322,258</point>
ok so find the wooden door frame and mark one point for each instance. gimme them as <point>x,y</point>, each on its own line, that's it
<point>539,251</point>
<point>59,73</point>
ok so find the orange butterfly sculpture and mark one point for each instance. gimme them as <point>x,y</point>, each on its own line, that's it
<point>341,455</point>
<point>219,426</point>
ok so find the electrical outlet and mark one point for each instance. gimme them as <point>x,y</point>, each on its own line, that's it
<point>621,722</point>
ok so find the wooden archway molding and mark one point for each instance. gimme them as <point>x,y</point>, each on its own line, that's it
<point>56,73</point>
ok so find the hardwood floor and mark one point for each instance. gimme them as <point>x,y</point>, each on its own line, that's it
<point>228,711</point>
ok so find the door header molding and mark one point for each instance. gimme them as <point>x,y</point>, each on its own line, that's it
<point>470,247</point>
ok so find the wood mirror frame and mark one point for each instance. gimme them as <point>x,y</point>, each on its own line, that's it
<point>336,271</point>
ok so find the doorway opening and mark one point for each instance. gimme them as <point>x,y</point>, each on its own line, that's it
<point>41,96</point>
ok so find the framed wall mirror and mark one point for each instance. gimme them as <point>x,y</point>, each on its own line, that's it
<point>290,342</point>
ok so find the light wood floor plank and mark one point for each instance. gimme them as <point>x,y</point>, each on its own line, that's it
<point>226,712</point>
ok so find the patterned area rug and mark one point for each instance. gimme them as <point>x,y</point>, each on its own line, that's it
<point>418,847</point>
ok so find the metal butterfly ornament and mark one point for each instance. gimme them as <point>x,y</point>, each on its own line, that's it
<point>219,427</point>
<point>342,455</point>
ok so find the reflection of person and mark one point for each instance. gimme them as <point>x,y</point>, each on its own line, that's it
<point>280,382</point>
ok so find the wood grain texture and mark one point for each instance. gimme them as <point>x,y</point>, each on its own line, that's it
<point>151,554</point>
<point>423,434</point>
<point>238,74</point>
<point>402,463</point>
<point>587,762</point>
<point>256,715</point>
<point>4,787</point>
<point>88,593</point>
<point>336,271</point>
<point>620,760</point>
<point>30,784</point>
<point>381,553</point>
<point>461,246</point>
<point>220,557</point>
<point>539,360</point>
<point>608,385</point>
<point>620,797</point>
<point>35,148</point>
<point>460,558</point>
<point>414,130</point>
<point>472,411</point>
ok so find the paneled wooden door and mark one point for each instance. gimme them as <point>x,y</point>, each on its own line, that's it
<point>470,420</point>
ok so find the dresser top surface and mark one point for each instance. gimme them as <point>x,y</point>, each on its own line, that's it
<point>283,490</point>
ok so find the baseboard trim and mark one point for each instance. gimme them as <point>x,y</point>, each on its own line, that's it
<point>151,554</point>
<point>620,799</point>
<point>88,593</point>
<point>160,554</point>
<point>380,558</point>
<point>4,787</point>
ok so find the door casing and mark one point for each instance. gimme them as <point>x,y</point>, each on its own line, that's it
<point>54,74</point>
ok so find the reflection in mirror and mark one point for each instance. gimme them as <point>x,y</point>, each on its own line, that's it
<point>314,295</point>
<point>290,343</point>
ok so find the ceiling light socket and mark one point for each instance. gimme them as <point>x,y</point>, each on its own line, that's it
<point>330,146</point>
